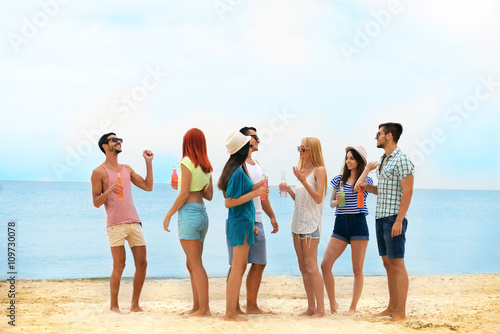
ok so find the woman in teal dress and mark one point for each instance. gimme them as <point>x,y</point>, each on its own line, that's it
<point>239,191</point>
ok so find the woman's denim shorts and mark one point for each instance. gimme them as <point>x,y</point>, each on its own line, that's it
<point>192,221</point>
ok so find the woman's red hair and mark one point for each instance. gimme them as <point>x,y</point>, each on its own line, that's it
<point>194,146</point>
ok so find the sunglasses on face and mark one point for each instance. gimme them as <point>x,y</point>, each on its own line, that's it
<point>115,140</point>
<point>255,137</point>
<point>378,134</point>
<point>302,148</point>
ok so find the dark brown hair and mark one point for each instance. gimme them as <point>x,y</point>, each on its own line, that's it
<point>396,129</point>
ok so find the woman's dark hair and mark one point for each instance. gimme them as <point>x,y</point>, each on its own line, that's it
<point>235,160</point>
<point>346,172</point>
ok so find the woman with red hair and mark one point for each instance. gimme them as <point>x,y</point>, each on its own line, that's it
<point>195,184</point>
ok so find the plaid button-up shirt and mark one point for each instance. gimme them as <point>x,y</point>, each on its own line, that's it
<point>396,168</point>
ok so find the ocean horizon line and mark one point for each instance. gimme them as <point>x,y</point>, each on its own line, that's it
<point>271,184</point>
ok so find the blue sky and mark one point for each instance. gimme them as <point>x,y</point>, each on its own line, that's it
<point>72,70</point>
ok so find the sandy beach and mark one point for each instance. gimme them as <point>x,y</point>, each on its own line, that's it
<point>436,304</point>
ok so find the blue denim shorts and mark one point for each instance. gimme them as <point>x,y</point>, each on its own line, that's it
<point>351,227</point>
<point>394,248</point>
<point>192,221</point>
<point>257,253</point>
<point>313,235</point>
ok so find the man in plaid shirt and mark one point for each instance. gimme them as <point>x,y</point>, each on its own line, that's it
<point>395,174</point>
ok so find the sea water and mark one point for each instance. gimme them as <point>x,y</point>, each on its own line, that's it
<point>60,234</point>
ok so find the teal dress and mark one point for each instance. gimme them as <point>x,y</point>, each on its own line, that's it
<point>241,218</point>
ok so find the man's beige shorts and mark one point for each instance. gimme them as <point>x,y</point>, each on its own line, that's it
<point>131,232</point>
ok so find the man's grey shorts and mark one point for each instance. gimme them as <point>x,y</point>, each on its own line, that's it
<point>257,253</point>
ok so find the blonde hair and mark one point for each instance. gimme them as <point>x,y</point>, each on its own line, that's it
<point>316,155</point>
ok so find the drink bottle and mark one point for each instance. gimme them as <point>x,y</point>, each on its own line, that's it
<point>175,179</point>
<point>265,185</point>
<point>119,181</point>
<point>342,201</point>
<point>361,199</point>
<point>283,185</point>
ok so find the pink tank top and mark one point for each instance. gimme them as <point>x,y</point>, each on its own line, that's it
<point>120,211</point>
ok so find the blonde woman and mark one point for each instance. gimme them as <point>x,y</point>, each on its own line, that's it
<point>309,197</point>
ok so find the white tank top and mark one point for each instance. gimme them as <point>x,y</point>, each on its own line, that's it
<point>255,174</point>
<point>307,214</point>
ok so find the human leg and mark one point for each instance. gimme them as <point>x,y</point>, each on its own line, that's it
<point>230,256</point>
<point>311,304</point>
<point>358,252</point>
<point>118,254</point>
<point>310,251</point>
<point>393,257</point>
<point>333,251</point>
<point>257,256</point>
<point>390,278</point>
<point>199,279</point>
<point>139,253</point>
<point>400,282</point>
<point>238,267</point>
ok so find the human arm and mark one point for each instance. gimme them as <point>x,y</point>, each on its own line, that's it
<point>258,185</point>
<point>336,197</point>
<point>98,195</point>
<point>407,186</point>
<point>290,192</point>
<point>266,206</point>
<point>319,175</point>
<point>208,191</point>
<point>232,202</point>
<point>372,165</point>
<point>181,198</point>
<point>137,180</point>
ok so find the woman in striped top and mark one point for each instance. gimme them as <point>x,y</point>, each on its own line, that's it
<point>350,226</point>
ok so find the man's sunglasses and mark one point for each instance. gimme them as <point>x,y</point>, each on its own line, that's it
<point>255,137</point>
<point>115,140</point>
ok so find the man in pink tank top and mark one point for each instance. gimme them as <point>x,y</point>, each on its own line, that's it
<point>111,186</point>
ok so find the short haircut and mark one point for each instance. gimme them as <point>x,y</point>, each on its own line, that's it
<point>396,129</point>
<point>104,140</point>
<point>246,129</point>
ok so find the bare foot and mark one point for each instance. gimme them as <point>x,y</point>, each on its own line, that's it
<point>334,307</point>
<point>318,314</point>
<point>115,309</point>
<point>191,311</point>
<point>136,309</point>
<point>235,317</point>
<point>307,313</point>
<point>200,314</point>
<point>257,310</point>
<point>239,311</point>
<point>384,313</point>
<point>398,318</point>
<point>350,312</point>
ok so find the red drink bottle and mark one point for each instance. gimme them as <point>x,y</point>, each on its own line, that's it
<point>175,179</point>
<point>265,185</point>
